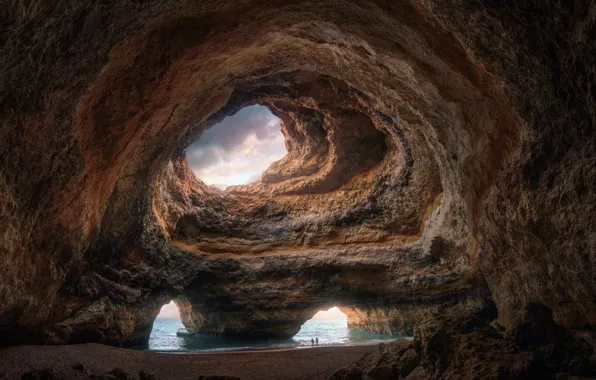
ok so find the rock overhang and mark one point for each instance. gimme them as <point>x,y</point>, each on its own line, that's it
<point>404,141</point>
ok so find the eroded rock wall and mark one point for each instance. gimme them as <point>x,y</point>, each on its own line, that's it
<point>471,345</point>
<point>438,151</point>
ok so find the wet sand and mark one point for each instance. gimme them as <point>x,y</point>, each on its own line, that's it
<point>316,363</point>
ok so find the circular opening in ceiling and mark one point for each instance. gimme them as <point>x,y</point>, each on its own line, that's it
<point>237,150</point>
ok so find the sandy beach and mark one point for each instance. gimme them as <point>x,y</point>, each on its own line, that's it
<point>316,363</point>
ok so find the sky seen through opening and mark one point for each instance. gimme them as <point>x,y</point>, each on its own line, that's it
<point>239,149</point>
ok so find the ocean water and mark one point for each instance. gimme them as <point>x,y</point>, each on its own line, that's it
<point>330,332</point>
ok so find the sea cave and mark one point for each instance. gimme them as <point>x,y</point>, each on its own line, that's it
<point>427,167</point>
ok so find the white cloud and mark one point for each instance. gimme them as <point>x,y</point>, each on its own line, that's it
<point>239,149</point>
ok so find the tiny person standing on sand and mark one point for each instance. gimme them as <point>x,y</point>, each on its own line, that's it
<point>317,340</point>
<point>312,342</point>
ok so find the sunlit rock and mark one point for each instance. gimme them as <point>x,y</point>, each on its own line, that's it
<point>440,154</point>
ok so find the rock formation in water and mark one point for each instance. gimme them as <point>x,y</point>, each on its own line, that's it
<point>442,156</point>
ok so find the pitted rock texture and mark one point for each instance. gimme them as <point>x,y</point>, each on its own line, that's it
<point>473,346</point>
<point>440,153</point>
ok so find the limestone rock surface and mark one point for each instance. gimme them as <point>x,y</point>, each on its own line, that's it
<point>441,154</point>
<point>472,346</point>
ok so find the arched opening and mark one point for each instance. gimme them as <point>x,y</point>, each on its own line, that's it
<point>330,327</point>
<point>237,150</point>
<point>163,335</point>
<point>169,334</point>
<point>327,326</point>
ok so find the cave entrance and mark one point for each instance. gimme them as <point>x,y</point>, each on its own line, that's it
<point>329,326</point>
<point>237,150</point>
<point>163,334</point>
